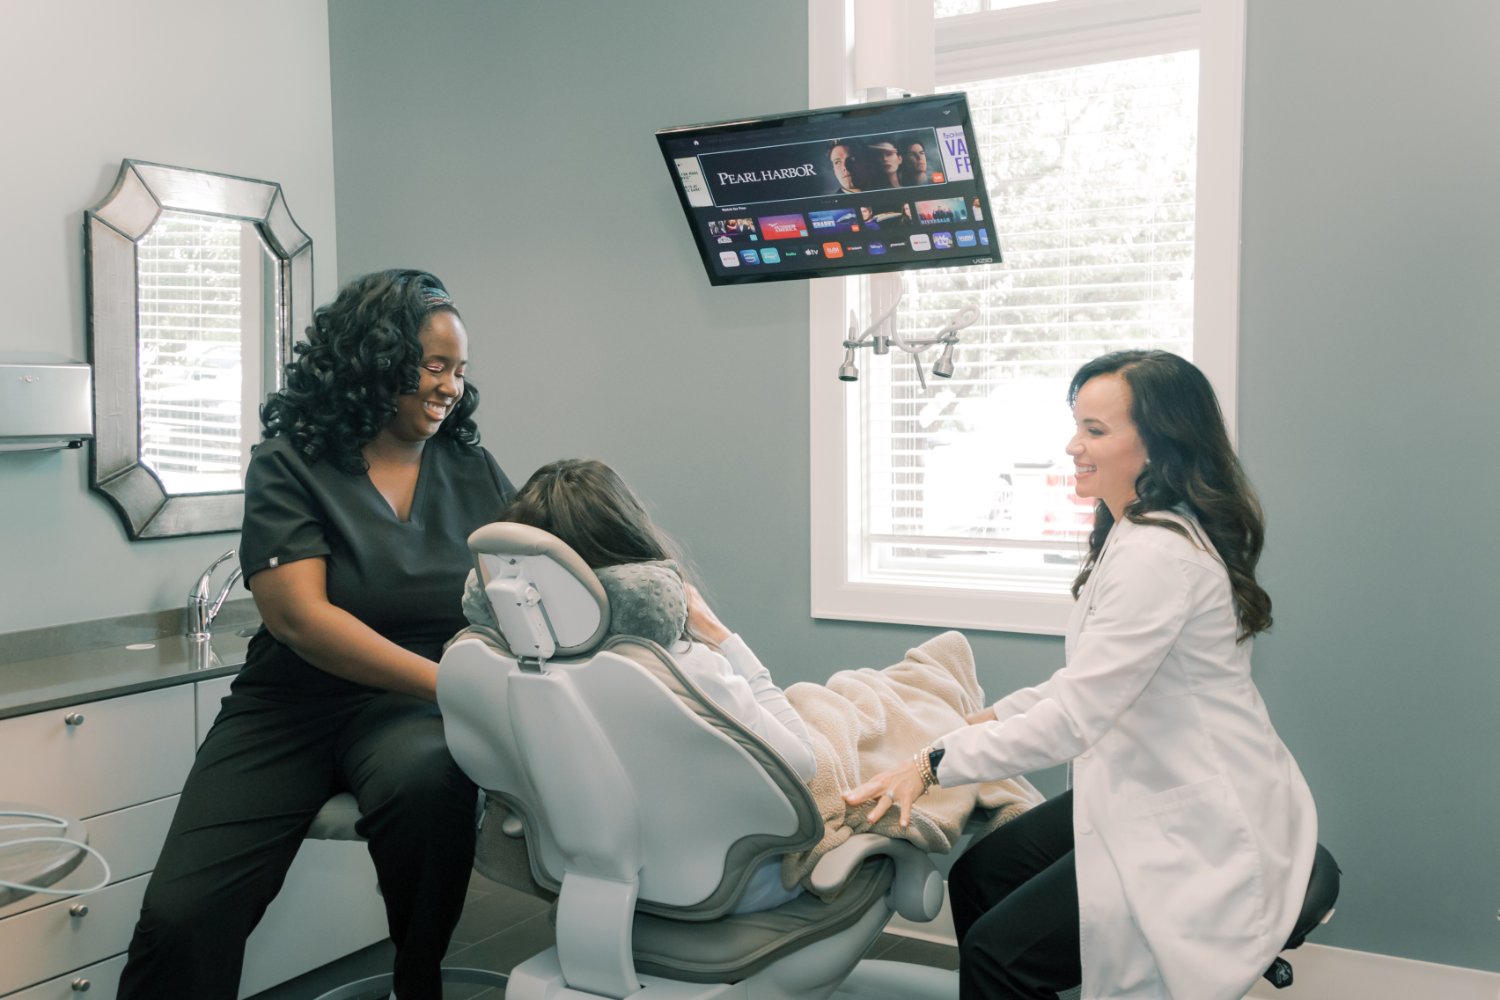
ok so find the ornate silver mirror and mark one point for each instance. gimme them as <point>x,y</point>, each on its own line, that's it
<point>197,284</point>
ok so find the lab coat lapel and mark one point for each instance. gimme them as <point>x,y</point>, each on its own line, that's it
<point>1085,600</point>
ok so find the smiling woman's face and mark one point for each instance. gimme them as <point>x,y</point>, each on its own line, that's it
<point>1108,454</point>
<point>445,356</point>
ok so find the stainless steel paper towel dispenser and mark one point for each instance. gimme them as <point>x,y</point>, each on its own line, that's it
<point>45,405</point>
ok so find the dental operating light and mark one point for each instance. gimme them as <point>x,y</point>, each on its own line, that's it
<point>880,343</point>
<point>943,367</point>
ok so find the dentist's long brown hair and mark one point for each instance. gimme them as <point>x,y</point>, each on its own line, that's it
<point>1191,465</point>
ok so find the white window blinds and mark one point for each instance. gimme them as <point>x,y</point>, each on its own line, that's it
<point>191,307</point>
<point>1091,173</point>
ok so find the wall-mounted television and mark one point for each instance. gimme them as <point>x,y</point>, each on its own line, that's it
<point>872,187</point>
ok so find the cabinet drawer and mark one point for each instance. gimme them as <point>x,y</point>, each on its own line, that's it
<point>116,753</point>
<point>49,941</point>
<point>129,839</point>
<point>100,981</point>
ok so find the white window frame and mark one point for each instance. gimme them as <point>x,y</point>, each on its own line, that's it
<point>1219,27</point>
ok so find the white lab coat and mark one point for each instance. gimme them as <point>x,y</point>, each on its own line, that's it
<point>1194,829</point>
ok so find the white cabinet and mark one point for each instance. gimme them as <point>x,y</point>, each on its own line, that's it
<point>118,764</point>
<point>89,759</point>
<point>51,940</point>
<point>101,979</point>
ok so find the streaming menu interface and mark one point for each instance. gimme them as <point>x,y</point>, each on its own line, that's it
<point>801,198</point>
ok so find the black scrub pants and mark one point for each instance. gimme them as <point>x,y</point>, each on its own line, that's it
<point>265,769</point>
<point>1015,908</point>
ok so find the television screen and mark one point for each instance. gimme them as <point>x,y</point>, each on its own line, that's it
<point>847,190</point>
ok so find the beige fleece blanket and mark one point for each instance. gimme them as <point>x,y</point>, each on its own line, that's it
<point>867,721</point>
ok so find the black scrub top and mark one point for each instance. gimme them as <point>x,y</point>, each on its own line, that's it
<point>404,579</point>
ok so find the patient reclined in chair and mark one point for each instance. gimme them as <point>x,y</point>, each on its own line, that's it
<point>864,721</point>
<point>648,808</point>
<point>648,600</point>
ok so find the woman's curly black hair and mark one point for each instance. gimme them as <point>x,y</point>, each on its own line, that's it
<point>362,351</point>
<point>1192,465</point>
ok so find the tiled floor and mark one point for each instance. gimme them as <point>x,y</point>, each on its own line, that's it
<point>501,928</point>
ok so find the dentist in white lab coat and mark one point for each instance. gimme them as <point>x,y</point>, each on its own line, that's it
<point>1176,865</point>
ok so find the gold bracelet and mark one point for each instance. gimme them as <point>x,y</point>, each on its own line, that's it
<point>923,761</point>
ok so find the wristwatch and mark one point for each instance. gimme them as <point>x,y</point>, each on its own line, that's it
<point>927,760</point>
<point>934,757</point>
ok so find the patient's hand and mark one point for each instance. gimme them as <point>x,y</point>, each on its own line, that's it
<point>981,716</point>
<point>701,619</point>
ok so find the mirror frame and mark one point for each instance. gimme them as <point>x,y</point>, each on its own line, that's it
<point>113,230</point>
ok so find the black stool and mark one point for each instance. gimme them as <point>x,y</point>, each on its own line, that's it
<point>1317,908</point>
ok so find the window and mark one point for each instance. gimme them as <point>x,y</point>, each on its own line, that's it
<point>1117,213</point>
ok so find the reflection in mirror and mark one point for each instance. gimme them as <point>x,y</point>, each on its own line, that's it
<point>197,283</point>
<point>201,284</point>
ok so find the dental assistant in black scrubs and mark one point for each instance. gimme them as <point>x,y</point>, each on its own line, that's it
<point>358,505</point>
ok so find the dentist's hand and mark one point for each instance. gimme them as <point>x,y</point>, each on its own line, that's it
<point>900,786</point>
<point>701,619</point>
<point>981,716</point>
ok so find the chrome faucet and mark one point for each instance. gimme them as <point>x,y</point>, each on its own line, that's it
<point>201,611</point>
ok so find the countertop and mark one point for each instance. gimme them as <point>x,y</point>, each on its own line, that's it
<point>69,677</point>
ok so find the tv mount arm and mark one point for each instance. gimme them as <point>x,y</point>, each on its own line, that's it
<point>946,335</point>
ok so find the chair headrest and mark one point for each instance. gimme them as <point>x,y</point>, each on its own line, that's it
<point>545,600</point>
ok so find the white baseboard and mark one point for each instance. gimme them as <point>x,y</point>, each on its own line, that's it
<point>1319,972</point>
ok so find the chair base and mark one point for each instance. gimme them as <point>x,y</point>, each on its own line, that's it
<point>363,988</point>
<point>540,978</point>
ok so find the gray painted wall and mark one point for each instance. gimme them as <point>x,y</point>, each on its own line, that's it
<point>508,146</point>
<point>235,88</point>
<point>1368,355</point>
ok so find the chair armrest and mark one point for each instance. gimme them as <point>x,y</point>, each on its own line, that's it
<point>916,893</point>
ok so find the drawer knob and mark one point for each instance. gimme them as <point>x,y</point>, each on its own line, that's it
<point>81,985</point>
<point>78,910</point>
<point>74,718</point>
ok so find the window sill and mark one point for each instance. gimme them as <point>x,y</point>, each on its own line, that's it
<point>942,606</point>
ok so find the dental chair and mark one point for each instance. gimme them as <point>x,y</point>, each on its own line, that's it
<point>616,785</point>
